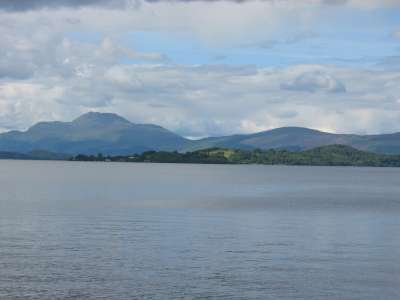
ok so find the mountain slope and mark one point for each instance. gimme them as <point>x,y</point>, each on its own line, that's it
<point>92,133</point>
<point>111,134</point>
<point>300,139</point>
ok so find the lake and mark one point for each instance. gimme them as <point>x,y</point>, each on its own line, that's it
<point>72,230</point>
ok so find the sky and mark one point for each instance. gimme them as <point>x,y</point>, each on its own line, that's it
<point>203,68</point>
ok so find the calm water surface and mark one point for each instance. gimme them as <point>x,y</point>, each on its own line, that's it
<point>159,231</point>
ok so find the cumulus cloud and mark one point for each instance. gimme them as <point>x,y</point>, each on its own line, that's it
<point>314,81</point>
<point>24,54</point>
<point>212,22</point>
<point>47,74</point>
<point>209,100</point>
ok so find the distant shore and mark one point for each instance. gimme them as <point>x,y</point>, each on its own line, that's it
<point>333,155</point>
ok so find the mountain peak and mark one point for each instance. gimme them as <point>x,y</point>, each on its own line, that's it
<point>294,129</point>
<point>100,119</point>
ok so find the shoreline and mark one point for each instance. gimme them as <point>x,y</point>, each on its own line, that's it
<point>192,163</point>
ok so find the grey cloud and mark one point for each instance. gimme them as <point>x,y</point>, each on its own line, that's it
<point>16,70</point>
<point>67,76</point>
<point>21,57</point>
<point>327,2</point>
<point>314,81</point>
<point>26,5</point>
<point>335,2</point>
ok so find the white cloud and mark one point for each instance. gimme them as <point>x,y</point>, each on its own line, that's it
<point>201,100</point>
<point>216,23</point>
<point>45,74</point>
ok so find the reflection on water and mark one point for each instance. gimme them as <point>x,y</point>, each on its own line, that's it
<point>153,231</point>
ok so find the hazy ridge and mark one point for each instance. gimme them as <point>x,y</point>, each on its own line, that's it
<point>110,134</point>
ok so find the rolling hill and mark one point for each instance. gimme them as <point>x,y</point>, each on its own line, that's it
<point>111,134</point>
<point>300,139</point>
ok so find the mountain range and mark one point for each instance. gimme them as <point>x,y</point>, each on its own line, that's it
<point>111,134</point>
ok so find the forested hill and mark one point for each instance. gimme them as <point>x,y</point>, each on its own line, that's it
<point>333,155</point>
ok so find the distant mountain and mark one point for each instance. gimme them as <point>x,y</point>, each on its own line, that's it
<point>92,133</point>
<point>300,139</point>
<point>110,134</point>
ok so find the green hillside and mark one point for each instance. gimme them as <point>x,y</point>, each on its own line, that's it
<point>333,155</point>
